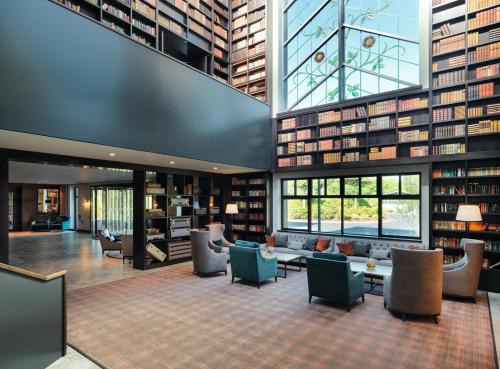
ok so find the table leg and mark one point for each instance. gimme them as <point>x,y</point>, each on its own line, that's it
<point>285,268</point>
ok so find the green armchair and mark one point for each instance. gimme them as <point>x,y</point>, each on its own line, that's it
<point>248,263</point>
<point>329,276</point>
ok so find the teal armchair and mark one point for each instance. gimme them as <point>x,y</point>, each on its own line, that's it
<point>329,276</point>
<point>248,263</point>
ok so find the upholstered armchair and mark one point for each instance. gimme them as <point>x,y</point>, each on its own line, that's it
<point>415,286</point>
<point>206,260</point>
<point>248,263</point>
<point>329,276</point>
<point>127,248</point>
<point>217,241</point>
<point>40,223</point>
<point>461,279</point>
<point>107,244</point>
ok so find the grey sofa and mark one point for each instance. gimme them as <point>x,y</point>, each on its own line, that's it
<point>461,279</point>
<point>415,286</point>
<point>206,260</point>
<point>373,244</point>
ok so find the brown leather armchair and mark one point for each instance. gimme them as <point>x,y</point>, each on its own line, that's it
<point>108,245</point>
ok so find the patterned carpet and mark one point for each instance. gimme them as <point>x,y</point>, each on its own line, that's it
<point>174,319</point>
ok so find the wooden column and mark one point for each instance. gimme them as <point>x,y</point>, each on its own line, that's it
<point>4,210</point>
<point>138,213</point>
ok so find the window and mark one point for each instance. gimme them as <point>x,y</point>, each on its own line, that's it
<point>337,50</point>
<point>376,206</point>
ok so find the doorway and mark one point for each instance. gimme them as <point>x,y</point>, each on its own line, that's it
<point>111,208</point>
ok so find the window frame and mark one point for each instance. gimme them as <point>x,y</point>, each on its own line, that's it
<point>379,196</point>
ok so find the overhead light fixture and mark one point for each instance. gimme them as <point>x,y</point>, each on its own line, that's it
<point>215,168</point>
<point>368,42</point>
<point>85,166</point>
<point>319,57</point>
<point>112,154</point>
<point>172,162</point>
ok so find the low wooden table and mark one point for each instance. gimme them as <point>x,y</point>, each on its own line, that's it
<point>379,272</point>
<point>284,259</point>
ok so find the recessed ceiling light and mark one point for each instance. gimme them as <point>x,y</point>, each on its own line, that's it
<point>85,166</point>
<point>172,162</point>
<point>112,154</point>
<point>215,168</point>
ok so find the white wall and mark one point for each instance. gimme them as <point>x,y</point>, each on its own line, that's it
<point>83,216</point>
<point>423,169</point>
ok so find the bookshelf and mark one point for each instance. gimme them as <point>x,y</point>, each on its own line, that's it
<point>194,31</point>
<point>248,47</point>
<point>251,193</point>
<point>473,181</point>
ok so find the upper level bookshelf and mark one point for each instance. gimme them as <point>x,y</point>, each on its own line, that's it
<point>248,50</point>
<point>458,114</point>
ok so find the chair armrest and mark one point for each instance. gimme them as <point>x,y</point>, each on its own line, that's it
<point>217,249</point>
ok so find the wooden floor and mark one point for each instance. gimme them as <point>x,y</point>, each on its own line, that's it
<point>75,252</point>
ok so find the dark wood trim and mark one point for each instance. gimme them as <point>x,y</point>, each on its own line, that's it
<point>4,209</point>
<point>139,201</point>
<point>64,317</point>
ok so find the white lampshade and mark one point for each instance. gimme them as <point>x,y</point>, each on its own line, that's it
<point>469,213</point>
<point>231,209</point>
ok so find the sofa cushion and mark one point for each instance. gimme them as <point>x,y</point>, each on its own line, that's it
<point>330,256</point>
<point>283,250</point>
<point>361,248</point>
<point>295,245</point>
<point>381,254</point>
<point>346,248</point>
<point>280,239</point>
<point>322,244</point>
<point>270,241</point>
<point>250,244</point>
<point>311,244</point>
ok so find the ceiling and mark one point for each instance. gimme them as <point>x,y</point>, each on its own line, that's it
<point>20,172</point>
<point>51,145</point>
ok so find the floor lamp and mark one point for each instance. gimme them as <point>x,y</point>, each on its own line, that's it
<point>467,214</point>
<point>231,209</point>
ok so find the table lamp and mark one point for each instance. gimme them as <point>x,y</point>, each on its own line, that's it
<point>231,209</point>
<point>468,213</point>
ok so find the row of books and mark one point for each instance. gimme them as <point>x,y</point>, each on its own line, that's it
<point>414,103</point>
<point>417,151</point>
<point>351,113</point>
<point>489,207</point>
<point>404,121</point>
<point>116,12</point>
<point>445,207</point>
<point>288,123</point>
<point>306,147</point>
<point>483,227</point>
<point>485,52</point>
<point>440,114</point>
<point>449,149</point>
<point>412,135</point>
<point>325,145</point>
<point>448,172</point>
<point>488,71</point>
<point>287,162</point>
<point>143,8</point>
<point>256,181</point>
<point>331,158</point>
<point>256,216</point>
<point>485,171</point>
<point>329,116</point>
<point>304,134</point>
<point>448,78</point>
<point>457,130</point>
<point>256,205</point>
<point>143,26</point>
<point>256,193</point>
<point>381,153</point>
<point>449,189</point>
<point>381,107</point>
<point>481,90</point>
<point>448,44</point>
<point>446,242</point>
<point>354,128</point>
<point>304,160</point>
<point>257,228</point>
<point>493,108</point>
<point>286,137</point>
<point>381,123</point>
<point>484,18</point>
<point>353,156</point>
<point>329,131</point>
<point>350,142</point>
<point>444,30</point>
<point>473,5</point>
<point>448,225</point>
<point>450,96</point>
<point>483,189</point>
<point>484,126</point>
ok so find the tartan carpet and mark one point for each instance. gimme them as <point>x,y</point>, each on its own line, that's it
<point>174,319</point>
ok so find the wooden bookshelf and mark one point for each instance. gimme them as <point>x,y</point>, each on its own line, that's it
<point>466,182</point>
<point>251,194</point>
<point>248,47</point>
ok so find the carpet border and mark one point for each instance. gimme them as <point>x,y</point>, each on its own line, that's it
<point>492,331</point>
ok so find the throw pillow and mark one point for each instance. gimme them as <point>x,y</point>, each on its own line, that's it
<point>346,248</point>
<point>322,244</point>
<point>270,241</point>
<point>311,244</point>
<point>218,243</point>
<point>295,245</point>
<point>381,254</point>
<point>361,248</point>
<point>280,240</point>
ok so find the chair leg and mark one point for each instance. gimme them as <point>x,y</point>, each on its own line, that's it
<point>225,272</point>
<point>403,317</point>
<point>276,278</point>
<point>232,279</point>
<point>349,308</point>
<point>310,297</point>
<point>363,298</point>
<point>385,305</point>
<point>436,319</point>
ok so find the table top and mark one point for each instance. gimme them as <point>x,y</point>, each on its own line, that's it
<point>378,271</point>
<point>285,258</point>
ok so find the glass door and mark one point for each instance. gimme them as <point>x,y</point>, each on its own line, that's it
<point>112,208</point>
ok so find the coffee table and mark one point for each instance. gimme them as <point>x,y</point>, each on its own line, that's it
<point>284,259</point>
<point>379,272</point>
